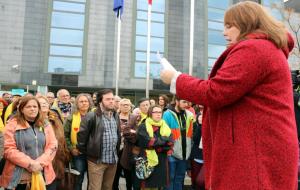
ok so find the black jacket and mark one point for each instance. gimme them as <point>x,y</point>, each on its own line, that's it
<point>90,135</point>
<point>297,112</point>
<point>196,152</point>
<point>160,176</point>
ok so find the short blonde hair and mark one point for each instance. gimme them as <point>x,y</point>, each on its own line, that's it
<point>250,17</point>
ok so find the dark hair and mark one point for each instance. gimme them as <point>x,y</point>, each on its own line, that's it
<point>165,97</point>
<point>149,113</point>
<point>197,116</point>
<point>142,100</point>
<point>20,116</point>
<point>101,93</point>
<point>15,104</point>
<point>5,94</point>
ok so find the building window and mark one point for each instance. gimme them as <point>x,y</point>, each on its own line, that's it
<point>66,43</point>
<point>274,6</point>
<point>218,4</point>
<point>216,41</point>
<point>157,38</point>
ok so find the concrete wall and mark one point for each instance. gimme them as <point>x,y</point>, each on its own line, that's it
<point>23,42</point>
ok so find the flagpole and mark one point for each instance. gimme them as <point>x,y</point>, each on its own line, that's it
<point>148,48</point>
<point>191,58</point>
<point>118,52</point>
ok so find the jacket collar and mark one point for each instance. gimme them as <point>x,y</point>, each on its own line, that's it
<point>18,126</point>
<point>286,50</point>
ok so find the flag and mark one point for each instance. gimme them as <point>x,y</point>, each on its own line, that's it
<point>118,7</point>
<point>150,2</point>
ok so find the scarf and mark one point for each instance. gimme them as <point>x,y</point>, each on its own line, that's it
<point>76,119</point>
<point>37,181</point>
<point>164,131</point>
<point>65,108</point>
<point>1,125</point>
<point>8,112</point>
<point>143,117</point>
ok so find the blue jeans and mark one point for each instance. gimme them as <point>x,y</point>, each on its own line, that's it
<point>177,170</point>
<point>80,164</point>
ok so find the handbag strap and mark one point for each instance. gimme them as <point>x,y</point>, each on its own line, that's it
<point>72,171</point>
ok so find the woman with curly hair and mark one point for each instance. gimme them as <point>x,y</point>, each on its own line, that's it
<point>83,104</point>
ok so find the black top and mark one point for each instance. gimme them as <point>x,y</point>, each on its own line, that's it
<point>182,124</point>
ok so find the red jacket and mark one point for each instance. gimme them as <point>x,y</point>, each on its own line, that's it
<point>249,131</point>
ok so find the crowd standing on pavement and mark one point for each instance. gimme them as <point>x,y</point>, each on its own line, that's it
<point>101,139</point>
<point>236,130</point>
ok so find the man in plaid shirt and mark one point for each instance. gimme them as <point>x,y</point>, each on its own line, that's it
<point>99,138</point>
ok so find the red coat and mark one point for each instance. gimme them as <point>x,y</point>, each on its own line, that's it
<point>249,131</point>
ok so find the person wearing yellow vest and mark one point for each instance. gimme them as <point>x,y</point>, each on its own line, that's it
<point>83,104</point>
<point>180,120</point>
<point>154,138</point>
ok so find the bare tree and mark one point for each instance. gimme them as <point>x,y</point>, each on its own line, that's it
<point>292,20</point>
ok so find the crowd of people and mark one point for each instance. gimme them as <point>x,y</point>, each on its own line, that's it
<point>104,137</point>
<point>247,140</point>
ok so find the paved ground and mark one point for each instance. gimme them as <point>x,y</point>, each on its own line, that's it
<point>122,183</point>
<point>187,182</point>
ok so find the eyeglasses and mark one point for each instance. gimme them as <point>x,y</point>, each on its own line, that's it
<point>44,104</point>
<point>157,112</point>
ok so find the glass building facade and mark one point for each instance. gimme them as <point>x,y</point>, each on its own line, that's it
<point>72,43</point>
<point>216,41</point>
<point>157,37</point>
<point>66,41</point>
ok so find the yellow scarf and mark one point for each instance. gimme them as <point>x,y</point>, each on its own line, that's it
<point>1,125</point>
<point>8,111</point>
<point>143,116</point>
<point>164,131</point>
<point>76,119</point>
<point>37,181</point>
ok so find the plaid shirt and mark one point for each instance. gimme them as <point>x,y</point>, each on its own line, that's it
<point>110,140</point>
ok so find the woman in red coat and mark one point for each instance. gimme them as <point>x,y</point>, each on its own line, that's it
<point>249,132</point>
